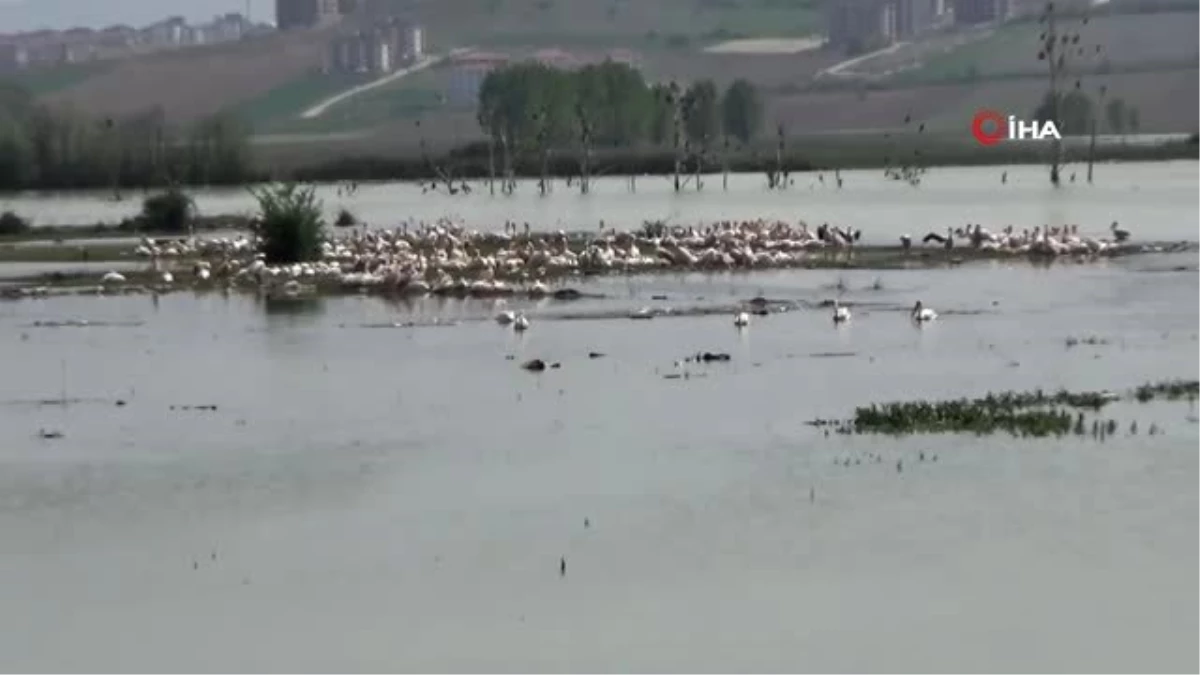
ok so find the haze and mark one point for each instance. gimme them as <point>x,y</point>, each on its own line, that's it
<point>22,15</point>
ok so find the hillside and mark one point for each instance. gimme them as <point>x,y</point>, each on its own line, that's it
<point>196,82</point>
<point>634,23</point>
<point>1150,60</point>
<point>1107,43</point>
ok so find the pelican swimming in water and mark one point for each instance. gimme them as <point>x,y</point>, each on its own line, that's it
<point>520,323</point>
<point>506,317</point>
<point>921,313</point>
<point>840,313</point>
<point>113,278</point>
<point>741,320</point>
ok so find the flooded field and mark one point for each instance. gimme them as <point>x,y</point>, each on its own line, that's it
<point>1157,201</point>
<point>301,486</point>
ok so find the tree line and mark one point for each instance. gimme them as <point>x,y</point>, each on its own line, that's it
<point>610,105</point>
<point>1075,112</point>
<point>46,148</point>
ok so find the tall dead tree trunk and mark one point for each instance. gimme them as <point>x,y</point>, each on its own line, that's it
<point>492,164</point>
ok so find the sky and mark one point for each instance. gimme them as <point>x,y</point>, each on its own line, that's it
<point>23,15</point>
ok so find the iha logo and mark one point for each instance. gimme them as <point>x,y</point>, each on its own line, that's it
<point>990,127</point>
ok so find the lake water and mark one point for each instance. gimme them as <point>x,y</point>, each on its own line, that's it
<point>399,499</point>
<point>1157,201</point>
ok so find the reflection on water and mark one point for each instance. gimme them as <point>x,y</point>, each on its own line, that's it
<point>276,306</point>
<point>400,498</point>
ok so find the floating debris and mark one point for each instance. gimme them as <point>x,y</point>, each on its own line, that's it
<point>1091,341</point>
<point>708,357</point>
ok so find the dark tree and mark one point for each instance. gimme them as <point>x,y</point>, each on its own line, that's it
<point>741,111</point>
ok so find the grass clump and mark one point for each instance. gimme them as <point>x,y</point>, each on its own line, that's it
<point>1029,414</point>
<point>290,223</point>
<point>169,211</point>
<point>1171,390</point>
<point>12,224</point>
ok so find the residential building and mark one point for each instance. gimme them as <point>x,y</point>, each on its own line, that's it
<point>382,49</point>
<point>361,52</point>
<point>13,57</point>
<point>49,48</point>
<point>291,14</point>
<point>857,26</point>
<point>172,32</point>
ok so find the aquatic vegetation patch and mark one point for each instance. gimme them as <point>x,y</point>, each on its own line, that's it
<point>1034,413</point>
<point>1024,414</point>
<point>1170,390</point>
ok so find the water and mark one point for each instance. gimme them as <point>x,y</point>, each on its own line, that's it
<point>399,499</point>
<point>1156,200</point>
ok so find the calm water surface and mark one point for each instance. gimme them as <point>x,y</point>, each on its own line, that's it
<point>399,499</point>
<point>1155,200</point>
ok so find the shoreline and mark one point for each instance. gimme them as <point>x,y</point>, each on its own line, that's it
<point>186,275</point>
<point>471,161</point>
<point>127,228</point>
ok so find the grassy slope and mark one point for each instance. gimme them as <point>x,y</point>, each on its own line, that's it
<point>192,83</point>
<point>1125,41</point>
<point>417,96</point>
<point>44,81</point>
<point>285,102</point>
<point>638,23</point>
<point>407,101</point>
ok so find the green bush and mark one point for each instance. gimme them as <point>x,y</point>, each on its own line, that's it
<point>169,211</point>
<point>291,224</point>
<point>345,219</point>
<point>11,223</point>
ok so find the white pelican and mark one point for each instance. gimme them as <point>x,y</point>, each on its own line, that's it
<point>840,313</point>
<point>113,278</point>
<point>741,320</point>
<point>506,317</point>
<point>167,278</point>
<point>520,323</point>
<point>921,314</point>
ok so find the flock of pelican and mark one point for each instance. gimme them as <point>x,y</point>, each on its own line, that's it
<point>448,258</point>
<point>1054,241</point>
